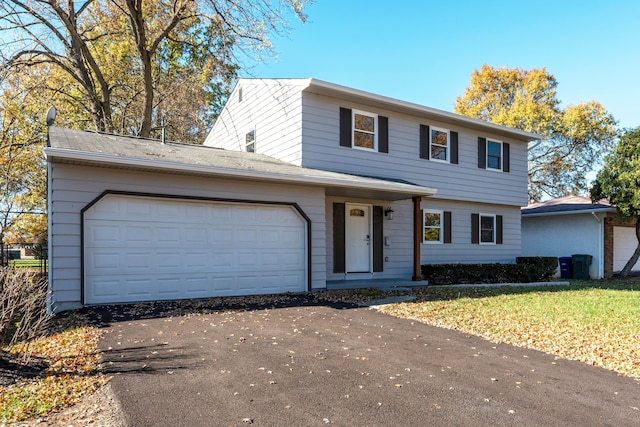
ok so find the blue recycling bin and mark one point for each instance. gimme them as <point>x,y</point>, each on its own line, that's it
<point>565,267</point>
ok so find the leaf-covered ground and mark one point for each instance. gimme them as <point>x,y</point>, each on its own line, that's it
<point>68,367</point>
<point>594,322</point>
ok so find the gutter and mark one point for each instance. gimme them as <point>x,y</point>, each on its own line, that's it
<point>576,212</point>
<point>108,159</point>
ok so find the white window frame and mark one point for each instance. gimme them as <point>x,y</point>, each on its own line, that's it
<point>480,228</point>
<point>441,227</point>
<point>448,147</point>
<point>253,142</point>
<point>374,133</point>
<point>499,169</point>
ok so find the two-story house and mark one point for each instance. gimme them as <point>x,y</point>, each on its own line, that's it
<point>299,183</point>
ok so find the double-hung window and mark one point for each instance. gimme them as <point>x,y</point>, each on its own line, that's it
<point>250,141</point>
<point>439,144</point>
<point>494,155</point>
<point>486,229</point>
<point>432,224</point>
<point>365,130</point>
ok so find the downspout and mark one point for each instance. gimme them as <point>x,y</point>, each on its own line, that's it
<point>600,246</point>
<point>50,118</point>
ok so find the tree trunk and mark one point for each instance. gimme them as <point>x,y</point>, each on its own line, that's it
<point>636,254</point>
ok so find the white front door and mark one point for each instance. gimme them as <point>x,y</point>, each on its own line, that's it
<point>358,238</point>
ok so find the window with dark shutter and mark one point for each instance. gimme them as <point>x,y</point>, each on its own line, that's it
<point>346,128</point>
<point>338,238</point>
<point>505,157</point>
<point>453,136</point>
<point>383,134</point>
<point>475,228</point>
<point>378,223</point>
<point>482,153</point>
<point>446,220</point>
<point>498,229</point>
<point>424,142</point>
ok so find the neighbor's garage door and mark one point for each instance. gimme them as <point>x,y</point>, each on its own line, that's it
<point>624,244</point>
<point>144,248</point>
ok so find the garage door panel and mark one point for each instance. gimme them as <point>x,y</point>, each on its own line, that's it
<point>624,245</point>
<point>140,248</point>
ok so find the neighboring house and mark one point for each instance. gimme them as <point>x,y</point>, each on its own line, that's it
<point>574,225</point>
<point>316,183</point>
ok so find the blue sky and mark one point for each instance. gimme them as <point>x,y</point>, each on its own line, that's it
<point>425,51</point>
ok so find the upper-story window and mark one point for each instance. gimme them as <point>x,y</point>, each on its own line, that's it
<point>365,130</point>
<point>439,144</point>
<point>250,141</point>
<point>494,154</point>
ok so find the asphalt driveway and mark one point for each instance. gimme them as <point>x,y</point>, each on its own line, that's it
<point>312,365</point>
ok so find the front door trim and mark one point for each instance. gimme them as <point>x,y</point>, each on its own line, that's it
<point>358,238</point>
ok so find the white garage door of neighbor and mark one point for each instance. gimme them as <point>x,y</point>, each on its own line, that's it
<point>624,244</point>
<point>145,248</point>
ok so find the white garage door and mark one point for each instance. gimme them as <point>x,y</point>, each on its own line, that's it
<point>144,248</point>
<point>624,244</point>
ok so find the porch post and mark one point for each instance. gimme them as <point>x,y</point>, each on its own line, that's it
<point>417,225</point>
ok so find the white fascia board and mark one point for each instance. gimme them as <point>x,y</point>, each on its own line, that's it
<point>108,159</point>
<point>446,116</point>
<point>577,212</point>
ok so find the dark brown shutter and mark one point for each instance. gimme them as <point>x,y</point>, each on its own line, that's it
<point>447,227</point>
<point>498,229</point>
<point>345,127</point>
<point>475,228</point>
<point>383,134</point>
<point>424,142</point>
<point>338,238</point>
<point>378,239</point>
<point>453,136</point>
<point>505,157</point>
<point>482,153</point>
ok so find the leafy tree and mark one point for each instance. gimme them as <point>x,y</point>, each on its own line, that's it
<point>574,138</point>
<point>131,65</point>
<point>619,182</point>
<point>22,181</point>
<point>122,66</point>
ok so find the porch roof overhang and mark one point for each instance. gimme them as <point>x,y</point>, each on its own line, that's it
<point>120,152</point>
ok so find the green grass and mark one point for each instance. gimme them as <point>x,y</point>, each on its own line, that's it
<point>596,322</point>
<point>18,263</point>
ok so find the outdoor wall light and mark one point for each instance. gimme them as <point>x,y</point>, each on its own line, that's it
<point>388,212</point>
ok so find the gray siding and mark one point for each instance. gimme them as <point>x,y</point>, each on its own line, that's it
<point>272,108</point>
<point>461,250</point>
<point>464,181</point>
<point>73,187</point>
<point>400,230</point>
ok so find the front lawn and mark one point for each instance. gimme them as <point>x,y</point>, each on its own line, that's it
<point>596,322</point>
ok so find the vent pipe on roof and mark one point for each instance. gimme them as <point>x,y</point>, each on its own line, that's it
<point>51,119</point>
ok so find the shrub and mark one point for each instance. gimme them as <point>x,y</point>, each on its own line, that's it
<point>526,269</point>
<point>23,305</point>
